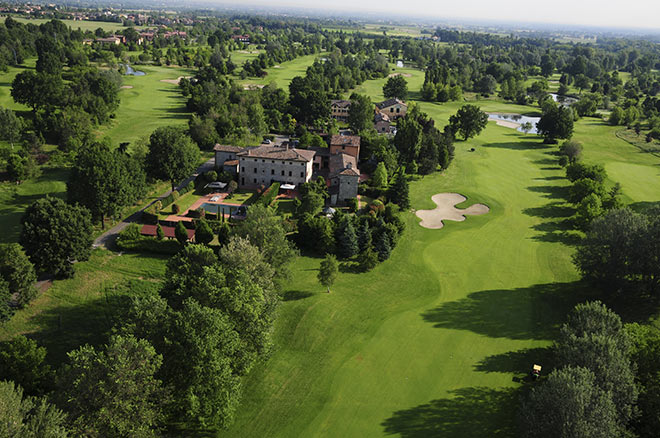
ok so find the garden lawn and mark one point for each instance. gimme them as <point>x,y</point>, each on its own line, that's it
<point>434,341</point>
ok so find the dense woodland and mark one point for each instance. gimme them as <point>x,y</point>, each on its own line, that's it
<point>178,351</point>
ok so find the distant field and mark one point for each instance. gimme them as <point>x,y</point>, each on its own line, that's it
<point>239,57</point>
<point>74,24</point>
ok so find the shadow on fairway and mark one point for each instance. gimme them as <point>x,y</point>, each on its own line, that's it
<point>517,145</point>
<point>295,295</point>
<point>552,192</point>
<point>518,362</point>
<point>534,312</point>
<point>469,413</point>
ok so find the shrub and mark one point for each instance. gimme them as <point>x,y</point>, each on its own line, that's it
<point>269,195</point>
<point>160,234</point>
<point>352,205</point>
<point>211,176</point>
<point>176,208</point>
<point>158,206</point>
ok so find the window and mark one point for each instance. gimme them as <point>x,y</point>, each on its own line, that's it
<point>282,173</point>
<point>302,174</point>
<point>272,161</point>
<point>398,109</point>
<point>255,170</point>
<point>242,169</point>
<point>263,161</point>
<point>255,160</point>
<point>391,110</point>
<point>255,180</point>
<point>289,173</point>
<point>242,181</point>
<point>272,171</point>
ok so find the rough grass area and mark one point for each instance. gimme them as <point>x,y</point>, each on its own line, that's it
<point>82,25</point>
<point>283,73</point>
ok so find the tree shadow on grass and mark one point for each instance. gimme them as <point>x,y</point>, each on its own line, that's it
<point>470,413</point>
<point>295,295</point>
<point>553,210</point>
<point>550,191</point>
<point>534,312</point>
<point>517,145</point>
<point>518,362</point>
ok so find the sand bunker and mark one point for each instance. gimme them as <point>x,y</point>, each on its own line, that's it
<point>175,81</point>
<point>507,124</point>
<point>252,86</point>
<point>126,87</point>
<point>405,75</point>
<point>446,210</point>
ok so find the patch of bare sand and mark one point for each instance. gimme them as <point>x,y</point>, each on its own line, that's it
<point>252,86</point>
<point>174,81</point>
<point>126,87</point>
<point>508,124</point>
<point>405,75</point>
<point>446,210</point>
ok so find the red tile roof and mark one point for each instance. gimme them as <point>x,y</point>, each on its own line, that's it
<point>150,230</point>
<point>278,153</point>
<point>345,140</point>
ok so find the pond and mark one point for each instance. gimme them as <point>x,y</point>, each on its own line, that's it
<point>515,121</point>
<point>232,209</point>
<point>564,100</point>
<point>131,72</point>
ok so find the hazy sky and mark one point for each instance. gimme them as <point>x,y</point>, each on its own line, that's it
<point>630,13</point>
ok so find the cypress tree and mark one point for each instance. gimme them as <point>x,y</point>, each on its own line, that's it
<point>399,191</point>
<point>382,245</point>
<point>181,233</point>
<point>346,239</point>
<point>364,236</point>
<point>203,232</point>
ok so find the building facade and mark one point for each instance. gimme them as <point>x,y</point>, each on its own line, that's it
<point>393,108</point>
<point>264,165</point>
<point>339,110</point>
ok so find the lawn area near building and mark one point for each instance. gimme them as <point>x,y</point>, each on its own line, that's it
<point>282,74</point>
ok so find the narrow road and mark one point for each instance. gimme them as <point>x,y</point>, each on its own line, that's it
<point>109,236</point>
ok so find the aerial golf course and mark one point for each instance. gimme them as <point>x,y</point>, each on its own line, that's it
<point>437,340</point>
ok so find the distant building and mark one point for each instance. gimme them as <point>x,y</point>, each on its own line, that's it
<point>345,144</point>
<point>344,178</point>
<point>264,165</point>
<point>241,38</point>
<point>393,108</point>
<point>226,158</point>
<point>382,123</point>
<point>339,110</point>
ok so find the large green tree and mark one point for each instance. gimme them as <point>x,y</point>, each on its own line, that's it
<point>18,271</point>
<point>11,126</point>
<point>569,404</point>
<point>24,362</point>
<point>399,192</point>
<point>114,392</point>
<point>100,181</point>
<point>172,155</point>
<point>361,114</point>
<point>555,123</point>
<point>328,271</point>
<point>468,121</point>
<point>28,417</point>
<point>396,87</point>
<point>54,234</point>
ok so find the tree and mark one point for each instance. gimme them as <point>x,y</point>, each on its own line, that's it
<point>555,123</point>
<point>28,416</point>
<point>265,231</point>
<point>361,114</point>
<point>11,126</point>
<point>172,155</point>
<point>114,392</point>
<point>526,127</point>
<point>24,362</point>
<point>614,250</point>
<point>224,232</point>
<point>328,271</point>
<point>379,177</point>
<point>99,181</point>
<point>469,121</point>
<point>572,150</point>
<point>589,208</point>
<point>382,245</point>
<point>203,232</point>
<point>569,405</point>
<point>18,272</point>
<point>55,234</point>
<point>181,233</point>
<point>547,65</point>
<point>583,188</point>
<point>399,191</point>
<point>368,259</point>
<point>160,234</point>
<point>593,338</point>
<point>486,85</point>
<point>20,167</point>
<point>395,87</point>
<point>239,253</point>
<point>6,309</point>
<point>408,137</point>
<point>645,354</point>
<point>347,244</point>
<point>577,171</point>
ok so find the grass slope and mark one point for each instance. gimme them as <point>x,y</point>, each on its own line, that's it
<point>283,73</point>
<point>75,24</point>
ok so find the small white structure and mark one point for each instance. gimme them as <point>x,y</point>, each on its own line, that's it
<point>216,185</point>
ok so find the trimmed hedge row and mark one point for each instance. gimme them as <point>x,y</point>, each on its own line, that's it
<point>269,195</point>
<point>131,240</point>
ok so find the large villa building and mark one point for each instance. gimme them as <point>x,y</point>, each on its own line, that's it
<point>263,165</point>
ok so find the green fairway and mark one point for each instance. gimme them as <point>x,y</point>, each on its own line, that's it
<point>283,73</point>
<point>433,341</point>
<point>150,103</point>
